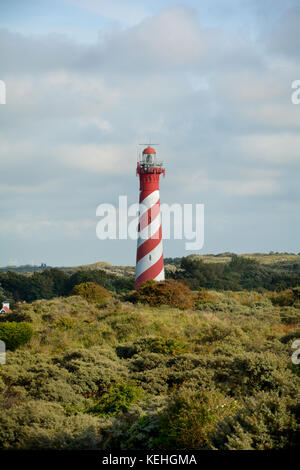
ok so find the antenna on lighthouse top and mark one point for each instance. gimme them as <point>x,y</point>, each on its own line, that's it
<point>148,144</point>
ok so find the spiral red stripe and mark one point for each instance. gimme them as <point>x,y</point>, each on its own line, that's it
<point>149,215</point>
<point>151,272</point>
<point>149,244</point>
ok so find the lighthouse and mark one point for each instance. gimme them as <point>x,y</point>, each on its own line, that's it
<point>149,257</point>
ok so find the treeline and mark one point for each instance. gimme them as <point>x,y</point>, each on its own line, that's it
<point>55,283</point>
<point>240,273</point>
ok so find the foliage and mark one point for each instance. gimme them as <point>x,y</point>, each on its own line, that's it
<point>43,425</point>
<point>240,273</point>
<point>54,282</point>
<point>171,346</point>
<point>15,334</point>
<point>92,292</point>
<point>124,375</point>
<point>265,422</point>
<point>172,293</point>
<point>286,298</point>
<point>190,418</point>
<point>118,399</point>
<point>203,297</point>
<point>227,271</point>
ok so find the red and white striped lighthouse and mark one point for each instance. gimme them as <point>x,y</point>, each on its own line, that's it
<point>149,257</point>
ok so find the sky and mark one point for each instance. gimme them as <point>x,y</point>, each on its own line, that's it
<point>87,81</point>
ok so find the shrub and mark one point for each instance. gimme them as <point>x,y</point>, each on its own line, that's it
<point>283,298</point>
<point>170,346</point>
<point>265,422</point>
<point>172,293</point>
<point>93,371</point>
<point>118,399</point>
<point>247,373</point>
<point>92,292</point>
<point>15,334</point>
<point>204,297</point>
<point>41,425</point>
<point>191,417</point>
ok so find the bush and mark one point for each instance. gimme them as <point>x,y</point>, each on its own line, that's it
<point>248,373</point>
<point>41,425</point>
<point>118,399</point>
<point>266,422</point>
<point>92,292</point>
<point>92,371</point>
<point>172,293</point>
<point>204,297</point>
<point>15,334</point>
<point>170,346</point>
<point>191,417</point>
<point>286,298</point>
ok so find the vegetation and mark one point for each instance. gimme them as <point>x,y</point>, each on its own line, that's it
<point>165,368</point>
<point>15,334</point>
<point>92,292</point>
<point>274,272</point>
<point>239,273</point>
<point>170,292</point>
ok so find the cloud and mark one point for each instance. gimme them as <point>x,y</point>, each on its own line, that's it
<point>274,149</point>
<point>30,227</point>
<point>283,37</point>
<point>247,183</point>
<point>103,159</point>
<point>218,103</point>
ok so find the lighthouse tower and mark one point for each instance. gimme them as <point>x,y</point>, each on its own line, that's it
<point>149,257</point>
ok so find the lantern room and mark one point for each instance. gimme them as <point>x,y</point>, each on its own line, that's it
<point>148,162</point>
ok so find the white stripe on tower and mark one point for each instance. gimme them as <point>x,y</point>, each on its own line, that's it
<point>149,261</point>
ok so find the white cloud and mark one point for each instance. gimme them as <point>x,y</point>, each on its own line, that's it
<point>248,184</point>
<point>60,94</point>
<point>218,104</point>
<point>30,227</point>
<point>276,149</point>
<point>102,159</point>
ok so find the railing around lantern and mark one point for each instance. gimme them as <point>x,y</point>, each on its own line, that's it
<point>156,168</point>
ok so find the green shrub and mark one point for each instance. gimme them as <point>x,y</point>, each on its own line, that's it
<point>160,345</point>
<point>15,334</point>
<point>93,371</point>
<point>92,292</point>
<point>265,422</point>
<point>204,297</point>
<point>191,417</point>
<point>118,399</point>
<point>41,425</point>
<point>248,373</point>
